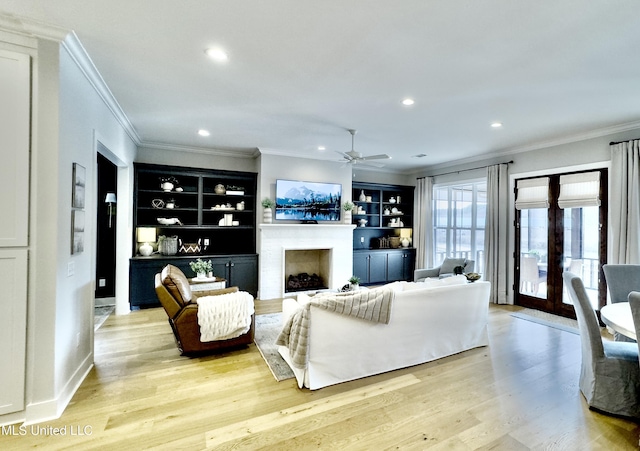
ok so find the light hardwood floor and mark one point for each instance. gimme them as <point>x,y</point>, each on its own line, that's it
<point>519,393</point>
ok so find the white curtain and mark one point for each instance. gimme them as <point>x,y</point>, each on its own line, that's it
<point>624,208</point>
<point>496,233</point>
<point>423,217</point>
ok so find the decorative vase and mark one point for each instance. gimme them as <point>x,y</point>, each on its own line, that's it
<point>354,286</point>
<point>166,186</point>
<point>267,216</point>
<point>201,275</point>
<point>362,197</point>
<point>405,242</point>
<point>347,217</point>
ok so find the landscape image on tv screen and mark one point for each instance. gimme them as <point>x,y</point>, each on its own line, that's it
<point>308,201</point>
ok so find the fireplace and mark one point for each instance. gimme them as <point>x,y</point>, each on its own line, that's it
<point>323,249</point>
<point>307,269</point>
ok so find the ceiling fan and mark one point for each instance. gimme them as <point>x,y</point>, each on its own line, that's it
<point>353,157</point>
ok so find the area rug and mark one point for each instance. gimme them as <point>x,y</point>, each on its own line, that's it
<point>267,329</point>
<point>101,314</point>
<point>548,319</point>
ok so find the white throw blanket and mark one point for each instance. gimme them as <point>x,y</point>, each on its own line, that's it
<point>224,316</point>
<point>370,305</point>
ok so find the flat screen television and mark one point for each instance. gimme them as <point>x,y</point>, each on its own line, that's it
<point>307,201</point>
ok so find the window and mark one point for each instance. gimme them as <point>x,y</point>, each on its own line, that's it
<point>459,220</point>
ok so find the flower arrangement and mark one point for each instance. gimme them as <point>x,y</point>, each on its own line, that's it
<point>201,267</point>
<point>354,280</point>
<point>268,203</point>
<point>348,206</point>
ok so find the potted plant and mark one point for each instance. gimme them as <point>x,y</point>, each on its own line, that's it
<point>268,204</point>
<point>347,207</point>
<point>202,268</point>
<point>354,281</point>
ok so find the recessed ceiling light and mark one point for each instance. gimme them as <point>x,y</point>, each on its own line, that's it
<point>322,148</point>
<point>408,102</point>
<point>203,132</point>
<point>496,124</point>
<point>217,54</point>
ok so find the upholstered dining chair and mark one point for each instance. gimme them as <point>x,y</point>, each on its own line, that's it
<point>610,370</point>
<point>634,303</point>
<point>621,280</point>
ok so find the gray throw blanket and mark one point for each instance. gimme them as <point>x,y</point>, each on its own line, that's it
<point>371,305</point>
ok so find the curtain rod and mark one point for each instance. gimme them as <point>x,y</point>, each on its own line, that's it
<point>464,170</point>
<point>620,142</point>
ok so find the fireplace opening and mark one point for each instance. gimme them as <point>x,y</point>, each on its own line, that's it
<point>307,269</point>
<point>305,282</point>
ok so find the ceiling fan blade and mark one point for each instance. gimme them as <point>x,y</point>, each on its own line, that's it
<point>344,155</point>
<point>364,162</point>
<point>382,156</point>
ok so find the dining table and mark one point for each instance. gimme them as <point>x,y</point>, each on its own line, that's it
<point>618,317</point>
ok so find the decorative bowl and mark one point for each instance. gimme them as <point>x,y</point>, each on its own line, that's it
<point>472,276</point>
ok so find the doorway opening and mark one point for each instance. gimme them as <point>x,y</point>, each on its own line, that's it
<point>107,181</point>
<point>561,224</point>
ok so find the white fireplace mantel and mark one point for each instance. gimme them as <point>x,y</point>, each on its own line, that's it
<point>275,239</point>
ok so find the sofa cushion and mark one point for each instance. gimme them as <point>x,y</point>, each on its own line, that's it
<point>449,264</point>
<point>177,284</point>
<point>454,280</point>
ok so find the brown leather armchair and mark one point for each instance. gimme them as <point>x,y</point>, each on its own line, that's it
<point>174,293</point>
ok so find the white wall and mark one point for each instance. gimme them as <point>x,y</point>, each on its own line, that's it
<point>67,115</point>
<point>196,159</point>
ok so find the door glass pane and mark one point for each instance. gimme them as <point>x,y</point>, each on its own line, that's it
<point>533,252</point>
<point>581,253</point>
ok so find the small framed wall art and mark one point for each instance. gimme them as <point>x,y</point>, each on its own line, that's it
<point>79,181</point>
<point>77,234</point>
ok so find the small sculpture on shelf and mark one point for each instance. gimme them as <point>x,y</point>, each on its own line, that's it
<point>168,183</point>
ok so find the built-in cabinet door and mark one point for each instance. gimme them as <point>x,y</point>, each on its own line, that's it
<point>361,266</point>
<point>395,266</point>
<point>13,326</point>
<point>15,101</point>
<point>14,148</point>
<point>377,267</point>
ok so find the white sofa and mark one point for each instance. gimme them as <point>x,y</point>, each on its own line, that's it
<point>429,320</point>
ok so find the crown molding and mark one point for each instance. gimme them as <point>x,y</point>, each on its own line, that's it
<point>32,28</point>
<point>234,153</point>
<point>82,59</point>
<point>597,133</point>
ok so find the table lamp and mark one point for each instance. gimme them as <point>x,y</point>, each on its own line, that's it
<point>146,235</point>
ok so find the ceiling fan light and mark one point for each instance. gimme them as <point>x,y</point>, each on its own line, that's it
<point>408,102</point>
<point>203,132</point>
<point>496,124</point>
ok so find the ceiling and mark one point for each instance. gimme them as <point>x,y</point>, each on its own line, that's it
<point>300,72</point>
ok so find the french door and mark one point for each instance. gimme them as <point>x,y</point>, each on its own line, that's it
<point>560,226</point>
